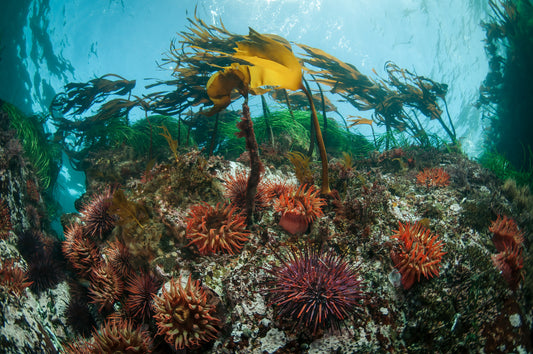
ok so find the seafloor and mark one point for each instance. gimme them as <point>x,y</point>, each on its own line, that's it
<point>468,307</point>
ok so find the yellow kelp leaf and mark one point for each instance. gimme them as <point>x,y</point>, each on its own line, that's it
<point>359,120</point>
<point>273,63</point>
<point>222,83</point>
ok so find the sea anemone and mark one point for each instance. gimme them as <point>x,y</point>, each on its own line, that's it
<point>299,208</point>
<point>81,253</point>
<point>96,216</point>
<point>510,262</point>
<point>216,229</point>
<point>5,220</point>
<point>121,337</point>
<point>418,253</point>
<point>183,315</point>
<point>506,233</point>
<point>80,346</point>
<point>316,289</point>
<point>433,177</point>
<point>13,279</point>
<point>105,288</point>
<point>236,191</point>
<point>141,287</point>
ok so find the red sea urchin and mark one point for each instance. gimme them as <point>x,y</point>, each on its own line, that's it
<point>418,253</point>
<point>184,316</point>
<point>299,208</point>
<point>215,229</point>
<point>316,289</point>
<point>141,287</point>
<point>236,191</point>
<point>105,288</point>
<point>97,219</point>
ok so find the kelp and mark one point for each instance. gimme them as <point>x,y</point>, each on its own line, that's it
<point>40,147</point>
<point>387,98</point>
<point>126,210</point>
<point>301,167</point>
<point>506,95</point>
<point>109,126</point>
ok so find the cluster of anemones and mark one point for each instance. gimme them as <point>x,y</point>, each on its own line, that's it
<point>315,289</point>
<point>184,316</point>
<point>433,177</point>
<point>216,229</point>
<point>5,220</point>
<point>417,253</point>
<point>299,208</point>
<point>508,241</point>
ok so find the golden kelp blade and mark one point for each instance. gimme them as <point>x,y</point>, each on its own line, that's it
<point>359,120</point>
<point>273,62</point>
<point>222,83</point>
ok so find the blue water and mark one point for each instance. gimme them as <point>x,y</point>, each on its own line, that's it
<point>46,44</point>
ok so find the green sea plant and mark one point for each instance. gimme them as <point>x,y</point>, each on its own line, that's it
<point>43,153</point>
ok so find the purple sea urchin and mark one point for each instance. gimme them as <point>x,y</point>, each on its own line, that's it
<point>316,289</point>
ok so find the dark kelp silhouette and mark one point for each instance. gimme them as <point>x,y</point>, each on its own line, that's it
<point>387,98</point>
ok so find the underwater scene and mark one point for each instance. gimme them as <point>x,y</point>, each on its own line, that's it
<point>266,176</point>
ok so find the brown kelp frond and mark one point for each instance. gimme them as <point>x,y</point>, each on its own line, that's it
<point>388,98</point>
<point>126,210</point>
<point>80,96</point>
<point>301,167</point>
<point>173,144</point>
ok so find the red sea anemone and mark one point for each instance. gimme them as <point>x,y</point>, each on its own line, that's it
<point>184,316</point>
<point>506,233</point>
<point>216,229</point>
<point>510,262</point>
<point>96,216</point>
<point>299,208</point>
<point>433,177</point>
<point>316,289</point>
<point>13,279</point>
<point>418,253</point>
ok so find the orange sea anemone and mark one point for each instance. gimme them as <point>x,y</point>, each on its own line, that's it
<point>216,229</point>
<point>183,315</point>
<point>433,177</point>
<point>299,208</point>
<point>506,233</point>
<point>418,253</point>
<point>121,337</point>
